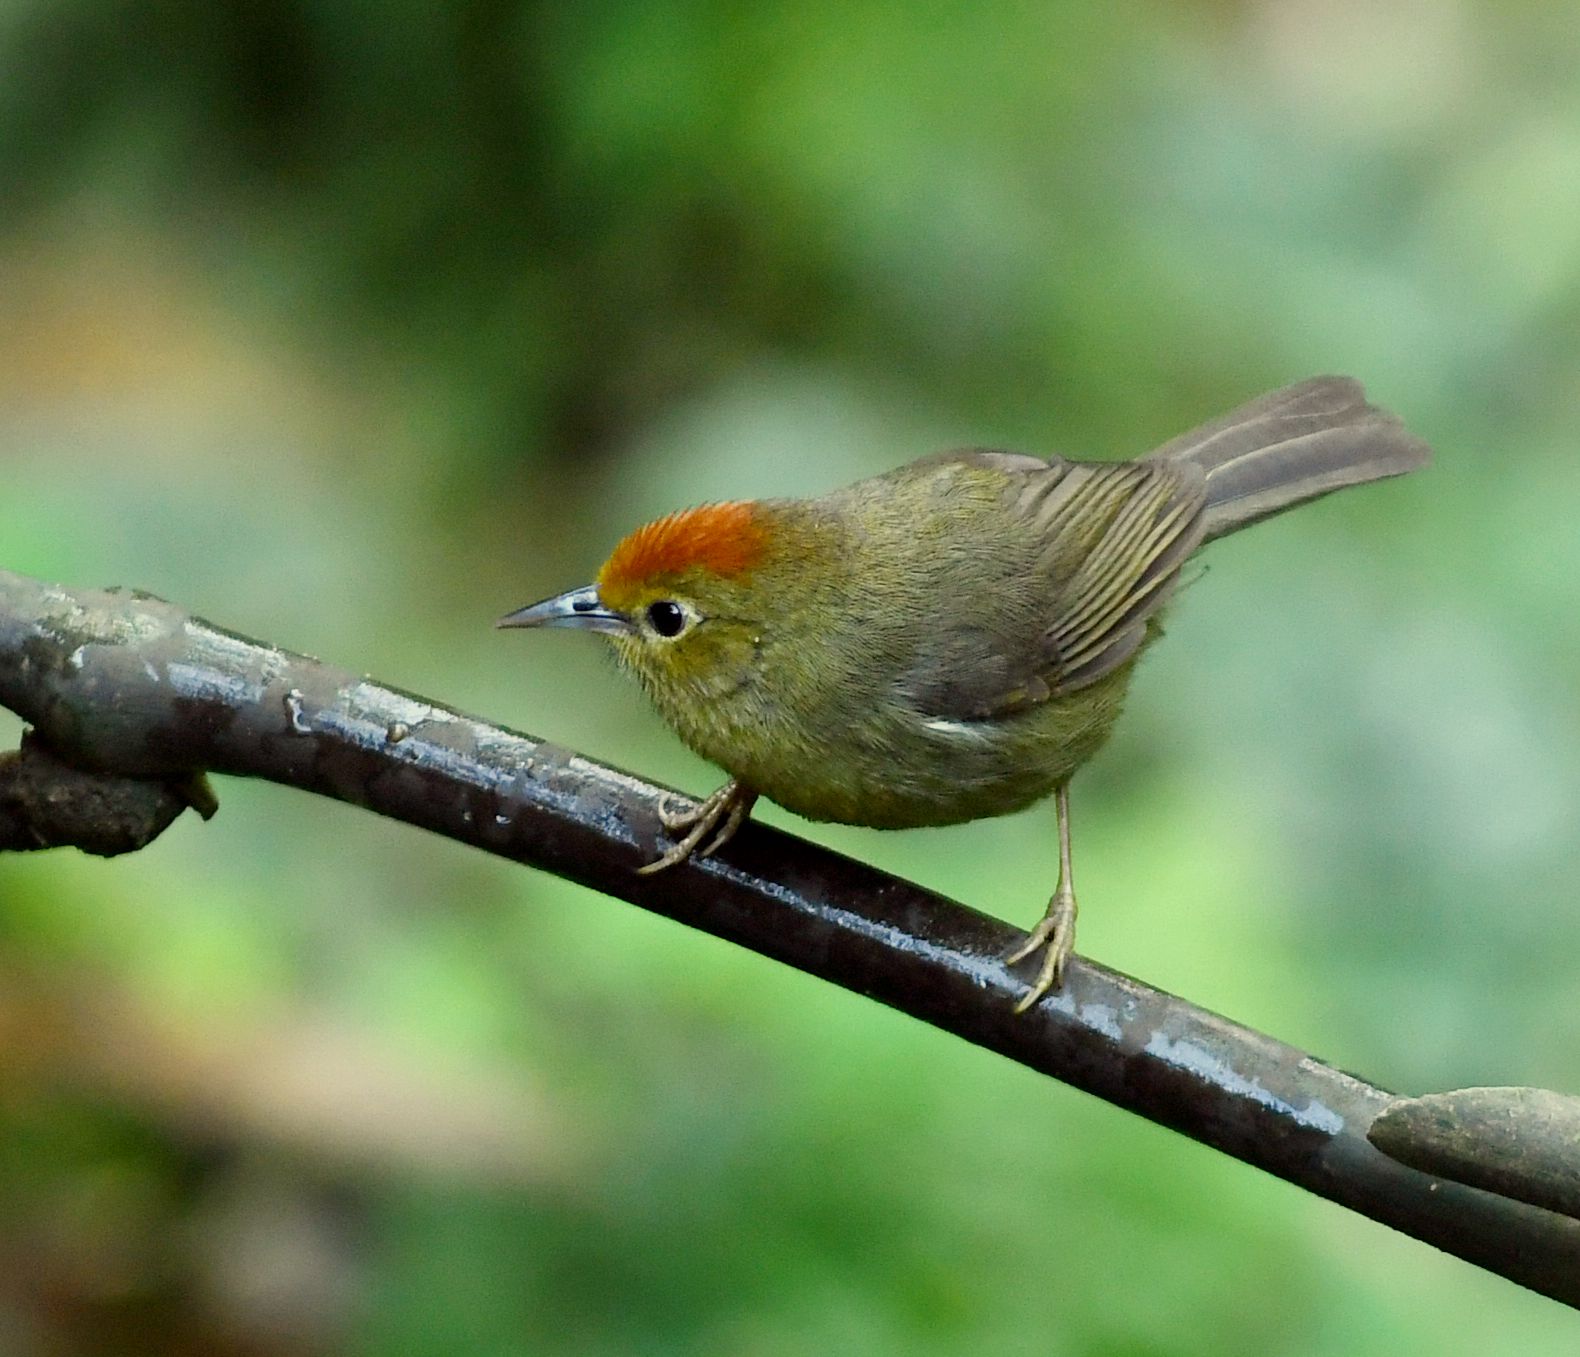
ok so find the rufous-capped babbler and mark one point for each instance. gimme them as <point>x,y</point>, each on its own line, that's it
<point>951,639</point>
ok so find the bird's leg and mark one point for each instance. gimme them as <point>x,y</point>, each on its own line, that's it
<point>1055,932</point>
<point>731,804</point>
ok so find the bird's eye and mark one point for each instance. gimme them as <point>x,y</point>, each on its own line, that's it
<point>666,617</point>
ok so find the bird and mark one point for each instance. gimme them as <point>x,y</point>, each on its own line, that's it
<point>952,639</point>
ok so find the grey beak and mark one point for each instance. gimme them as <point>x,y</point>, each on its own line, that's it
<point>575,608</point>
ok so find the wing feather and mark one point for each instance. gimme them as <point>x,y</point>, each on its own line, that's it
<point>1102,610</point>
<point>1106,541</point>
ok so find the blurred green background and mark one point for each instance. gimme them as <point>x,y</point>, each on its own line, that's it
<point>354,325</point>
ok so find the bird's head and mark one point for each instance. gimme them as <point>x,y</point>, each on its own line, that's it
<point>680,599</point>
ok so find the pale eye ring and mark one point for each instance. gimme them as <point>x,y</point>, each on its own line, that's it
<point>666,617</point>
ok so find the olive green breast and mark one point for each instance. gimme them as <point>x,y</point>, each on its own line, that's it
<point>889,767</point>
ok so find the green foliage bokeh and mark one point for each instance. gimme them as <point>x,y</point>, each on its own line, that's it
<point>353,326</point>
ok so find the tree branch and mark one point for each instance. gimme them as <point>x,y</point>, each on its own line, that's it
<point>126,685</point>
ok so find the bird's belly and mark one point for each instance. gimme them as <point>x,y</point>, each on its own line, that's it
<point>912,771</point>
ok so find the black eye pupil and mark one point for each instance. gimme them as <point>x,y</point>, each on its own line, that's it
<point>666,617</point>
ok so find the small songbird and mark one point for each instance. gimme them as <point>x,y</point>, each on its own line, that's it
<point>952,639</point>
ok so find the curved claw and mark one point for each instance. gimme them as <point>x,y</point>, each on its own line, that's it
<point>1055,934</point>
<point>678,853</point>
<point>674,821</point>
<point>730,804</point>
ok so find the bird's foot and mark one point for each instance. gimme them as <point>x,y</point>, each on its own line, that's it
<point>1055,935</point>
<point>720,815</point>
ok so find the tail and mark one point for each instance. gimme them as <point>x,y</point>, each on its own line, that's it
<point>1290,446</point>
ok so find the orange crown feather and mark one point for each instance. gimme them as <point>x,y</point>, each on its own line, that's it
<point>724,539</point>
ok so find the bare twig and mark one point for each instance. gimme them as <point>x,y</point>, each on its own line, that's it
<point>129,685</point>
<point>47,803</point>
<point>1520,1142</point>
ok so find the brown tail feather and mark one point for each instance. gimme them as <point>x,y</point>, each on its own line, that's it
<point>1293,445</point>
